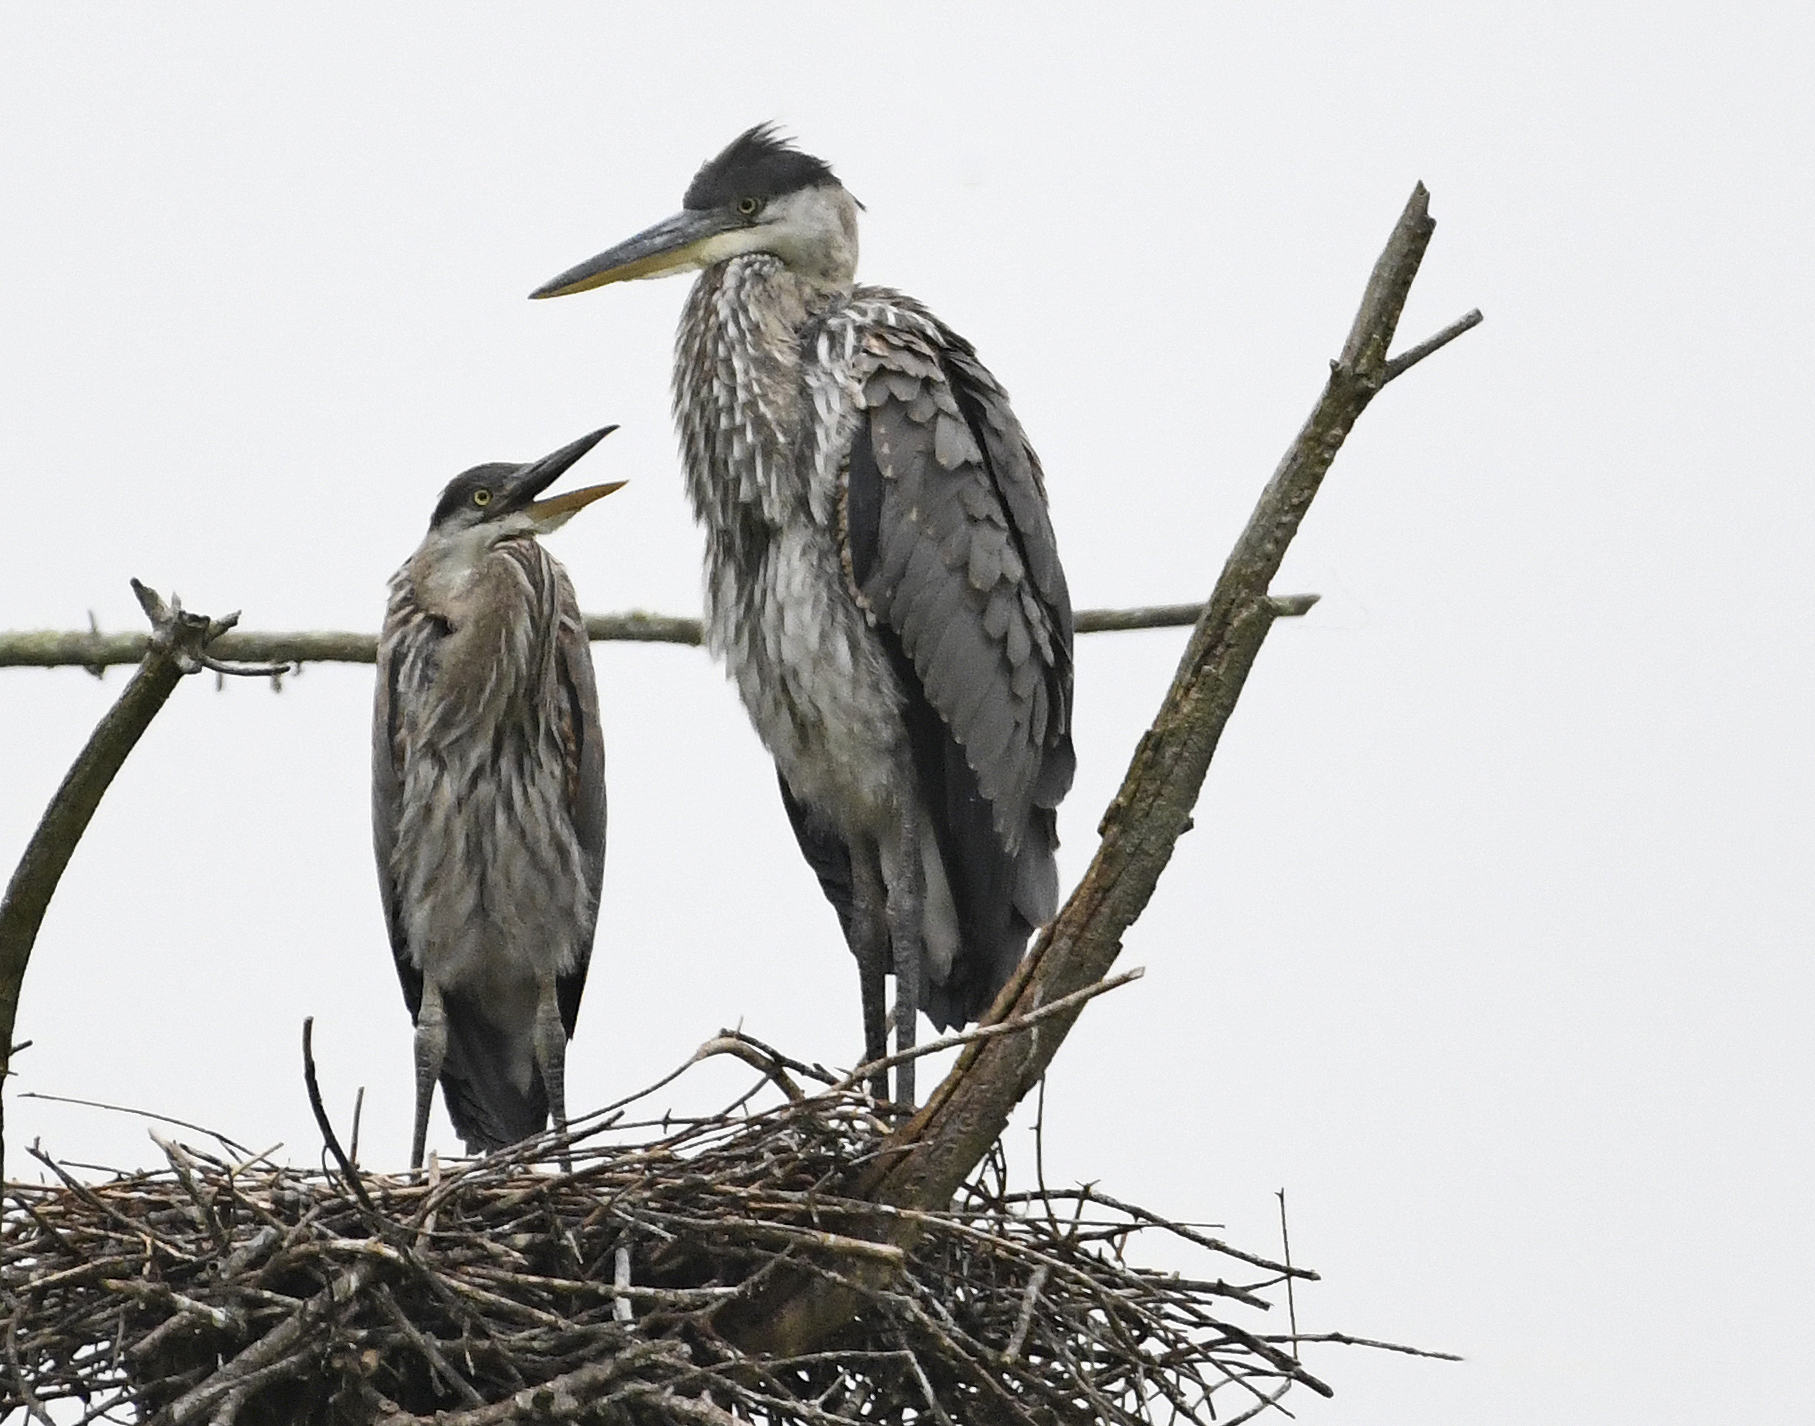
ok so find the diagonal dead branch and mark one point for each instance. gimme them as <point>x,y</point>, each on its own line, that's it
<point>176,645</point>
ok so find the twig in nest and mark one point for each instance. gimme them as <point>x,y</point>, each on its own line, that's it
<point>1061,1006</point>
<point>1025,1320</point>
<point>728,1042</point>
<point>1343,1339</point>
<point>21,1382</point>
<point>347,1171</point>
<point>433,1354</point>
<point>620,1279</point>
<point>231,1145</point>
<point>1285,1241</point>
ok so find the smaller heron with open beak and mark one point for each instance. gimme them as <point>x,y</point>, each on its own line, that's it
<point>488,799</point>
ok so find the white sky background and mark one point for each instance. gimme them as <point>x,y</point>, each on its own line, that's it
<point>1492,943</point>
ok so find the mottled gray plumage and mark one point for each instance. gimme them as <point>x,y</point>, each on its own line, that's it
<point>488,801</point>
<point>881,578</point>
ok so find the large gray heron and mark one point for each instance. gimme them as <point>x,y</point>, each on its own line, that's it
<point>488,800</point>
<point>881,579</point>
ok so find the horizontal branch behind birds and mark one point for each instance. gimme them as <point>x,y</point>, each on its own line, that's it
<point>93,650</point>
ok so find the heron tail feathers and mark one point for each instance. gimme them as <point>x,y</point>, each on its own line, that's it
<point>480,1082</point>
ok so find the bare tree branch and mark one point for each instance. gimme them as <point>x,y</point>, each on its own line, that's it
<point>926,1160</point>
<point>1409,358</point>
<point>175,647</point>
<point>94,651</point>
<point>326,1125</point>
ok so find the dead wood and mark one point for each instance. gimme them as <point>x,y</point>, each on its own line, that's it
<point>497,1291</point>
<point>93,650</point>
<point>178,644</point>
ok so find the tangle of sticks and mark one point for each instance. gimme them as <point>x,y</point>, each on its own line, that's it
<point>224,1288</point>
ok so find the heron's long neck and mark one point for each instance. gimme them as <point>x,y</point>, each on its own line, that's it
<point>498,601</point>
<point>740,403</point>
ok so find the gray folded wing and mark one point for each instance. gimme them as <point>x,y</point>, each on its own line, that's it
<point>952,549</point>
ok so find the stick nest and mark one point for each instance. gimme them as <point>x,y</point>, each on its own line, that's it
<point>502,1290</point>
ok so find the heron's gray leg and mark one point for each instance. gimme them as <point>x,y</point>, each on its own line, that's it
<point>551,1060</point>
<point>431,1049</point>
<point>870,944</point>
<point>907,909</point>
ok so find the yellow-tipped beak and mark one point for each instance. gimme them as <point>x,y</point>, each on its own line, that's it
<point>557,510</point>
<point>688,239</point>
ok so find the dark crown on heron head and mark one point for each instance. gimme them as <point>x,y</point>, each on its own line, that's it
<point>758,163</point>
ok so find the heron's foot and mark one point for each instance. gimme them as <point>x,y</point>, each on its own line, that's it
<point>904,1075</point>
<point>907,1007</point>
<point>870,944</point>
<point>431,1050</point>
<point>551,1061</point>
<point>907,939</point>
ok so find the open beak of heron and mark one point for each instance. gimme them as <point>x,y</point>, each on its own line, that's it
<point>691,238</point>
<point>557,510</point>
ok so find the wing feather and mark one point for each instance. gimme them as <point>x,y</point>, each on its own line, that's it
<point>407,651</point>
<point>584,751</point>
<point>950,545</point>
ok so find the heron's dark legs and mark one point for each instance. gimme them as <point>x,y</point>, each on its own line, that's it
<point>431,1049</point>
<point>870,944</point>
<point>907,909</point>
<point>550,1039</point>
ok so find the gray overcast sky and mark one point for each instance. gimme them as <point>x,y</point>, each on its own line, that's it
<point>1493,940</point>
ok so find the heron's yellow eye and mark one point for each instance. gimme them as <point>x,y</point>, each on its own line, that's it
<point>748,206</point>
<point>482,497</point>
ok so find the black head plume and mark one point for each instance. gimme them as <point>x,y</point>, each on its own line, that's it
<point>758,163</point>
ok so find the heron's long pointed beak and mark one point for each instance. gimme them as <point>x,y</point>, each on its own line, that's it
<point>538,475</point>
<point>557,510</point>
<point>688,239</point>
<point>531,480</point>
